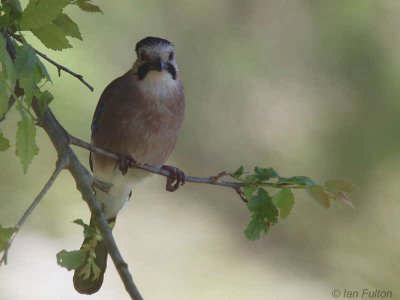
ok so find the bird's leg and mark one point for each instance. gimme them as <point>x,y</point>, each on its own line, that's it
<point>175,178</point>
<point>125,162</point>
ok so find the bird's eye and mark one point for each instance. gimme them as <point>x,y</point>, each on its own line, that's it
<point>144,56</point>
<point>171,56</point>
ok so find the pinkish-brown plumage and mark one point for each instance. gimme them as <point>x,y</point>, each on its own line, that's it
<point>137,123</point>
<point>139,114</point>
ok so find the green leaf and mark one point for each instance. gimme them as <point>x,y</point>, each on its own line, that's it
<point>249,191</point>
<point>69,27</point>
<point>26,147</point>
<point>263,174</point>
<point>284,200</point>
<point>5,235</point>
<point>30,71</point>
<point>262,204</point>
<point>11,13</point>
<point>71,260</point>
<point>4,143</point>
<point>318,194</point>
<point>254,228</point>
<point>30,89</point>
<point>40,13</point>
<point>340,185</point>
<point>297,180</point>
<point>6,62</point>
<point>4,98</point>
<point>25,61</point>
<point>256,202</point>
<point>88,231</point>
<point>29,84</point>
<point>42,70</point>
<point>85,5</point>
<point>239,172</point>
<point>52,37</point>
<point>43,99</point>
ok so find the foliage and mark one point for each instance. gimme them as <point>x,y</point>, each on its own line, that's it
<point>47,20</point>
<point>265,209</point>
<point>72,260</point>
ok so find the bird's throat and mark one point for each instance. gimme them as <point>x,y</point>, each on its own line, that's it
<point>158,85</point>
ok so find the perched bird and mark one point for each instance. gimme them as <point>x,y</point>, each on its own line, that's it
<point>138,116</point>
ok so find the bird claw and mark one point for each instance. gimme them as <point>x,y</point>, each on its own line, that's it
<point>175,178</point>
<point>125,162</point>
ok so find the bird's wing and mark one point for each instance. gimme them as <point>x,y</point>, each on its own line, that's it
<point>101,107</point>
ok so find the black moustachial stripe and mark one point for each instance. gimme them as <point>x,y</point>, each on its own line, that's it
<point>144,69</point>
<point>171,70</point>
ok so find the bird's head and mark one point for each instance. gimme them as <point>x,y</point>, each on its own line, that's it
<point>155,54</point>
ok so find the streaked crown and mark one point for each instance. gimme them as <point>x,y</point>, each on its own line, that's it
<point>152,42</point>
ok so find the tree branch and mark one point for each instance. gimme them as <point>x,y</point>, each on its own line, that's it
<point>61,164</point>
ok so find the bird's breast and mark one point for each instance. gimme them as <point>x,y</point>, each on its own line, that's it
<point>158,85</point>
<point>153,129</point>
<point>143,121</point>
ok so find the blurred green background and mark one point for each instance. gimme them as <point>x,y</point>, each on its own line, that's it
<point>307,87</point>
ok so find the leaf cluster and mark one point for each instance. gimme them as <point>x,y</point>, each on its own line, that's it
<point>83,258</point>
<point>265,210</point>
<point>24,77</point>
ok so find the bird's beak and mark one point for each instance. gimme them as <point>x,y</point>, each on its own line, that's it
<point>158,65</point>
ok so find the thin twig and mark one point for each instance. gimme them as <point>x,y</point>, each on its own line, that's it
<point>61,164</point>
<point>213,180</point>
<point>155,169</point>
<point>65,69</point>
<point>58,66</point>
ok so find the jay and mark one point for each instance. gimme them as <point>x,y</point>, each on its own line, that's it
<point>138,116</point>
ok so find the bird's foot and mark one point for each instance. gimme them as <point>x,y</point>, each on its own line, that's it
<point>125,162</point>
<point>175,178</point>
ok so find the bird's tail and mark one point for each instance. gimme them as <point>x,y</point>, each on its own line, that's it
<point>88,278</point>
